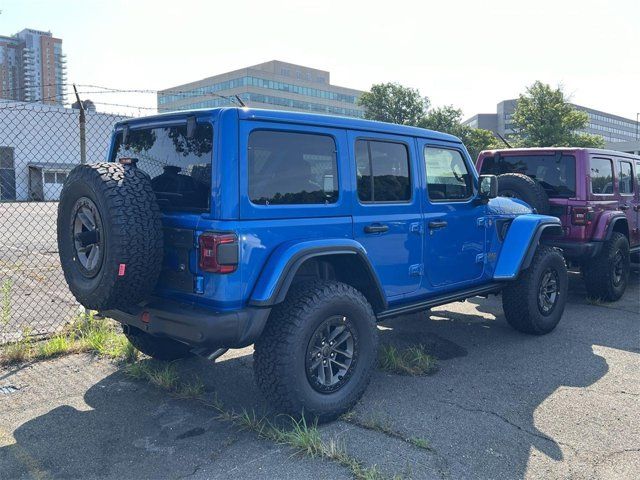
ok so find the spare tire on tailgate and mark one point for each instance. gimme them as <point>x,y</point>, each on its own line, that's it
<point>525,188</point>
<point>109,235</point>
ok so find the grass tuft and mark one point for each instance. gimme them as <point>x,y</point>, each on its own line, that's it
<point>381,424</point>
<point>413,360</point>
<point>85,334</point>
<point>420,443</point>
<point>303,437</point>
<point>5,307</point>
<point>17,352</point>
<point>165,375</point>
<point>596,301</point>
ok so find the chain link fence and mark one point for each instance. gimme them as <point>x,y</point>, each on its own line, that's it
<point>39,145</point>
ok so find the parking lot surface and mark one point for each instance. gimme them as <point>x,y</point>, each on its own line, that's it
<point>501,405</point>
<point>30,275</point>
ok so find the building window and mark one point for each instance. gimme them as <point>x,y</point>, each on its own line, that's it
<point>382,171</point>
<point>287,168</point>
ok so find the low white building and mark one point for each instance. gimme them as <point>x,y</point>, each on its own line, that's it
<point>40,144</point>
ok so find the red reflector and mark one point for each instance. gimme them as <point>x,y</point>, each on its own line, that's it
<point>145,317</point>
<point>218,252</point>
<point>581,215</point>
<point>127,160</point>
<point>122,268</point>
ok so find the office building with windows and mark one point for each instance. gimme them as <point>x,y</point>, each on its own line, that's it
<point>612,128</point>
<point>32,67</point>
<point>275,85</point>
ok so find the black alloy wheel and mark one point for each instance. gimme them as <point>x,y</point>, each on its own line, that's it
<point>331,354</point>
<point>87,233</point>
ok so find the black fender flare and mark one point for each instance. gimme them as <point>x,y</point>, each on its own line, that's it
<point>295,262</point>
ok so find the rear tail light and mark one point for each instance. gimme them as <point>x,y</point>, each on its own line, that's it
<point>581,215</point>
<point>218,252</point>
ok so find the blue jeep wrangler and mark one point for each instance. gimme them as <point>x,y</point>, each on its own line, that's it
<point>216,229</point>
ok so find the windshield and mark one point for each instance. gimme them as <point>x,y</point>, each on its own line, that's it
<point>179,164</point>
<point>556,173</point>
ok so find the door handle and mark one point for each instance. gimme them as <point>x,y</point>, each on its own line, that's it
<point>624,208</point>
<point>376,228</point>
<point>437,224</point>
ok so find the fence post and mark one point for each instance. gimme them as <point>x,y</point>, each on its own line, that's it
<point>82,125</point>
<point>83,150</point>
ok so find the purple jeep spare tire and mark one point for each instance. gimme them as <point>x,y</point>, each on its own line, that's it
<point>109,235</point>
<point>517,185</point>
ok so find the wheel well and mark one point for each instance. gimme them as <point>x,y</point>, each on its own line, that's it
<point>551,231</point>
<point>621,226</point>
<point>345,268</point>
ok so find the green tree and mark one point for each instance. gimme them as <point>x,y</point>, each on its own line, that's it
<point>394,103</point>
<point>544,118</point>
<point>448,119</point>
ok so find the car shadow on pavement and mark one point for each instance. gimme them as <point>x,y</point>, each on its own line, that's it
<point>485,413</point>
<point>501,397</point>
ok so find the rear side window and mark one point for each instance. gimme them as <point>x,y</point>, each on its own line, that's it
<point>601,176</point>
<point>625,182</point>
<point>178,163</point>
<point>287,168</point>
<point>555,173</point>
<point>382,171</point>
<point>448,177</point>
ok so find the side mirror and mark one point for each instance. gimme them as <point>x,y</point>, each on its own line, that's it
<point>488,187</point>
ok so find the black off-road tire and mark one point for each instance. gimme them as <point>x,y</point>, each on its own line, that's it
<point>599,272</point>
<point>525,188</point>
<point>280,355</point>
<point>159,348</point>
<point>129,232</point>
<point>520,298</point>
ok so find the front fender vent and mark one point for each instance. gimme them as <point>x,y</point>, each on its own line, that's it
<point>502,227</point>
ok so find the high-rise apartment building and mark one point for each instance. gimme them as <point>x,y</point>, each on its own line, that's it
<point>32,67</point>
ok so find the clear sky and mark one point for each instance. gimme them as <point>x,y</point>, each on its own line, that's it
<point>471,54</point>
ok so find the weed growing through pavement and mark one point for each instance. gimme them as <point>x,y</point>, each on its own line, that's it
<point>420,443</point>
<point>413,360</point>
<point>86,334</point>
<point>302,437</point>
<point>165,375</point>
<point>5,311</point>
<point>378,423</point>
<point>17,352</point>
<point>596,301</point>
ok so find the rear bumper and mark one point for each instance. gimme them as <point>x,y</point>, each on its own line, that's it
<point>576,250</point>
<point>196,326</point>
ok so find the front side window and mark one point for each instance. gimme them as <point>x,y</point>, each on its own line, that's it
<point>448,177</point>
<point>178,162</point>
<point>625,182</point>
<point>382,170</point>
<point>287,168</point>
<point>601,176</point>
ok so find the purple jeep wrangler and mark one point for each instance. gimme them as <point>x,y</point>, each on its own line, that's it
<point>596,195</point>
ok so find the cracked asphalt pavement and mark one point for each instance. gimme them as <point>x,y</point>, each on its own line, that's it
<point>502,405</point>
